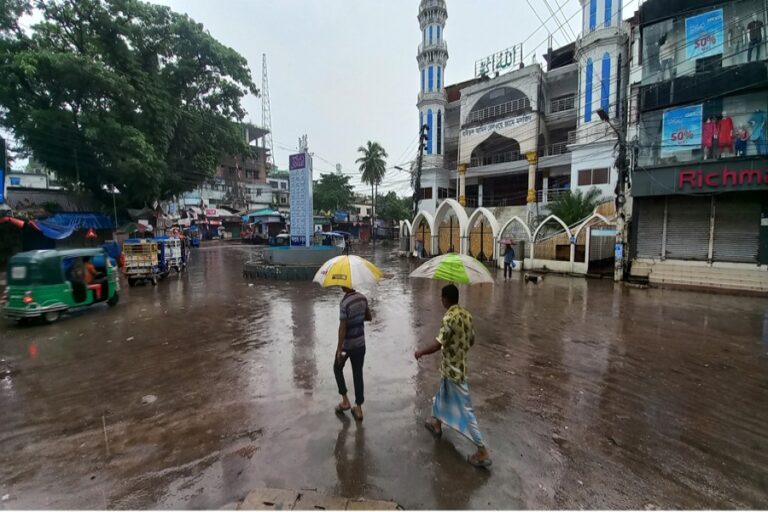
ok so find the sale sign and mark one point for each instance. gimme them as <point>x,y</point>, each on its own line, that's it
<point>704,35</point>
<point>681,130</point>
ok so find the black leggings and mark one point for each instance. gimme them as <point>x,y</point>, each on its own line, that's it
<point>357,356</point>
<point>507,268</point>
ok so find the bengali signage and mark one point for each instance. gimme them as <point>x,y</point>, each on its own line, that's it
<point>300,179</point>
<point>681,130</point>
<point>704,35</point>
<point>497,126</point>
<point>499,62</point>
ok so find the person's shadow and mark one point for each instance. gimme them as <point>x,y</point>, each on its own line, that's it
<point>351,469</point>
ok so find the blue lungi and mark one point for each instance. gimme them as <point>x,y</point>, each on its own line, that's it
<point>453,406</point>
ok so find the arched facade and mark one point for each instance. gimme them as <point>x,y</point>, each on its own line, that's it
<point>482,235</point>
<point>446,207</point>
<point>475,241</point>
<point>422,227</point>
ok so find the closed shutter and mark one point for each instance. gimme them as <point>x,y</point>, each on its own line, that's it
<point>688,224</point>
<point>650,226</point>
<point>737,229</point>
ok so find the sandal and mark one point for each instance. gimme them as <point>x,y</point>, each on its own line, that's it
<point>431,427</point>
<point>340,410</point>
<point>484,463</point>
<point>358,416</point>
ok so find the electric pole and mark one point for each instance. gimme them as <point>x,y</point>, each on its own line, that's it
<point>417,185</point>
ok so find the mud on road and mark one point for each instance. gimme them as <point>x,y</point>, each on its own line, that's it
<point>192,393</point>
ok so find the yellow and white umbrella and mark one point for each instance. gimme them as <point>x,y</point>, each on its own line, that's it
<point>347,271</point>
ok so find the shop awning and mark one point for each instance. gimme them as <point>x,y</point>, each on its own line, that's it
<point>62,225</point>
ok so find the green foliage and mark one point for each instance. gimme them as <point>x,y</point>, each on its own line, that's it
<point>121,93</point>
<point>333,192</point>
<point>572,206</point>
<point>392,208</point>
<point>373,165</point>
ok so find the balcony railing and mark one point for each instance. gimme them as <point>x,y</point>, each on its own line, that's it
<point>436,45</point>
<point>496,158</point>
<point>510,108</point>
<point>553,194</point>
<point>562,104</point>
<point>556,148</point>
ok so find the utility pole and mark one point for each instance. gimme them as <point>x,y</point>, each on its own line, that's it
<point>621,198</point>
<point>417,185</point>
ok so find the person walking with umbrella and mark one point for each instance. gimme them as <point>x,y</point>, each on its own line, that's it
<point>452,405</point>
<point>349,272</point>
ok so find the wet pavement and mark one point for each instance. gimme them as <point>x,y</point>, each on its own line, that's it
<point>589,396</point>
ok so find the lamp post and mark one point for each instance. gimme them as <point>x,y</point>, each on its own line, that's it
<point>620,191</point>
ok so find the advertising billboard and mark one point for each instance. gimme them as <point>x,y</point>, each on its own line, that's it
<point>704,35</point>
<point>300,179</point>
<point>681,130</point>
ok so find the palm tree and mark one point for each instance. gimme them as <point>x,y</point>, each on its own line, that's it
<point>373,166</point>
<point>572,206</point>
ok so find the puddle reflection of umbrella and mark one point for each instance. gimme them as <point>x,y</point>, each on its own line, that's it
<point>348,271</point>
<point>454,268</point>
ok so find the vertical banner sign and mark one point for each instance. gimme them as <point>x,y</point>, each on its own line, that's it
<point>300,169</point>
<point>704,35</point>
<point>681,130</point>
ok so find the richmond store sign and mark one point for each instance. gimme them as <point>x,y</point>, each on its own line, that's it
<point>697,180</point>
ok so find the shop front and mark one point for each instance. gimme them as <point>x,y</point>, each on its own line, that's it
<point>711,217</point>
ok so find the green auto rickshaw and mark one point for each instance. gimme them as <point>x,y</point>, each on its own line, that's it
<point>45,284</point>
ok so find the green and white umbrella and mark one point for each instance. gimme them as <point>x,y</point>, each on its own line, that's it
<point>454,268</point>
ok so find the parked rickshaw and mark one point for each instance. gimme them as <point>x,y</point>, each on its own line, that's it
<point>141,261</point>
<point>46,284</point>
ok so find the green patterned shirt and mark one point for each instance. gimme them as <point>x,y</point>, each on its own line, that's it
<point>456,336</point>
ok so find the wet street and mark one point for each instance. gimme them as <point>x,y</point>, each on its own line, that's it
<point>194,392</point>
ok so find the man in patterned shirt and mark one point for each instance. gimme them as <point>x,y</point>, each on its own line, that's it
<point>452,405</point>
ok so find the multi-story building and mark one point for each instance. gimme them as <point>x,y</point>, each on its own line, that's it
<point>238,183</point>
<point>601,55</point>
<point>496,136</point>
<point>280,187</point>
<point>701,174</point>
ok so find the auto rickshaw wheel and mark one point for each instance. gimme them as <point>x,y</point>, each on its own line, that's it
<point>114,299</point>
<point>51,316</point>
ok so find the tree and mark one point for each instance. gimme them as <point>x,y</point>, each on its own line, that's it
<point>120,93</point>
<point>572,206</point>
<point>393,208</point>
<point>333,192</point>
<point>373,166</point>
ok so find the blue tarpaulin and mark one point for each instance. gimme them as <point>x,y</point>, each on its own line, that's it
<point>61,225</point>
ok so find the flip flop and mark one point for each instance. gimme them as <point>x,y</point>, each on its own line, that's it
<point>428,424</point>
<point>485,463</point>
<point>357,417</point>
<point>340,410</point>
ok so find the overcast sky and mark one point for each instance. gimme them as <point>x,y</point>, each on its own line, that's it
<point>345,71</point>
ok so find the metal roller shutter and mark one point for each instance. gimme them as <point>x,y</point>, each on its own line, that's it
<point>737,229</point>
<point>650,226</point>
<point>688,224</point>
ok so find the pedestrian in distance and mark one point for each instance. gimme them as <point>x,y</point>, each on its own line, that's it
<point>509,260</point>
<point>354,312</point>
<point>452,405</point>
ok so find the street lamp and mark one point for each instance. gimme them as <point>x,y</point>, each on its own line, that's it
<point>620,191</point>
